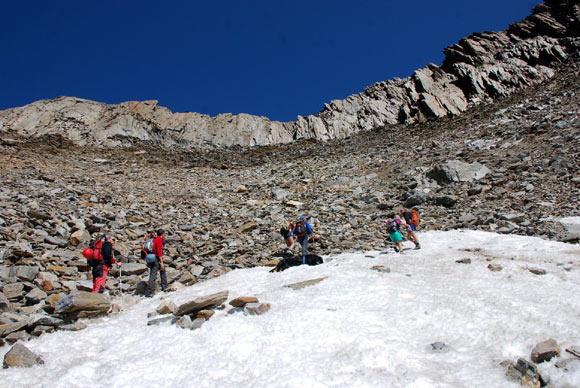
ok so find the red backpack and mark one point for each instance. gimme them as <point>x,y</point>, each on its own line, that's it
<point>94,253</point>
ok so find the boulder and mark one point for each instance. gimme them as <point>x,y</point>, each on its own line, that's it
<point>545,351</point>
<point>83,301</point>
<point>454,171</point>
<point>19,356</point>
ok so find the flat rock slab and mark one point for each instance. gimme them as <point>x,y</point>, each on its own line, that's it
<point>202,303</point>
<point>83,301</point>
<point>307,283</point>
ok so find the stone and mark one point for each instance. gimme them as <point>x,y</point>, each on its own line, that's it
<point>26,273</point>
<point>440,347</point>
<point>129,269</point>
<point>381,268</point>
<point>167,307</point>
<point>35,296</point>
<point>8,328</point>
<point>545,351</point>
<point>454,171</point>
<point>19,356</point>
<point>21,336</point>
<point>40,330</point>
<point>463,261</point>
<point>83,301</point>
<point>14,290</point>
<point>80,237</point>
<point>4,303</point>
<point>202,303</point>
<point>205,314</point>
<point>159,321</point>
<point>43,320</point>
<point>184,322</point>
<point>197,323</point>
<point>307,283</point>
<point>537,271</point>
<point>494,267</point>
<point>187,278</point>
<point>243,300</point>
<point>76,326</point>
<point>256,308</point>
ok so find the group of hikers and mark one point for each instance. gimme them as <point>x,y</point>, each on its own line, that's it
<point>407,218</point>
<point>100,253</point>
<point>100,256</point>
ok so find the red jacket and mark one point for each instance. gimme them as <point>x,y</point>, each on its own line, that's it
<point>158,246</point>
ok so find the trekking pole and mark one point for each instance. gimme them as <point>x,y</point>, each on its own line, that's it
<point>120,281</point>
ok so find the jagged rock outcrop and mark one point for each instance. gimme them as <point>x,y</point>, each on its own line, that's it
<point>480,68</point>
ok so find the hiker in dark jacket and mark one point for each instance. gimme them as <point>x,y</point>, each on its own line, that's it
<point>101,270</point>
<point>157,266</point>
<point>302,231</point>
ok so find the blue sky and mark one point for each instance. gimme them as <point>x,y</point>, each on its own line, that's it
<point>277,59</point>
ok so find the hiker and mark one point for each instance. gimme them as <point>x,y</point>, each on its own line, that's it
<point>412,219</point>
<point>303,230</point>
<point>394,230</point>
<point>101,268</point>
<point>287,232</point>
<point>157,265</point>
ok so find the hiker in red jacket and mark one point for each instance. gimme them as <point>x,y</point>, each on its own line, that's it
<point>157,266</point>
<point>101,269</point>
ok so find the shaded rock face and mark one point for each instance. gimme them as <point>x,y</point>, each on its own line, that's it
<point>480,68</point>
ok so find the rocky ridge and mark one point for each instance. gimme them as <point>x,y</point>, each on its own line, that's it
<point>479,69</point>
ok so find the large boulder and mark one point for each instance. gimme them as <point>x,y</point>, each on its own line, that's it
<point>454,171</point>
<point>83,301</point>
<point>19,356</point>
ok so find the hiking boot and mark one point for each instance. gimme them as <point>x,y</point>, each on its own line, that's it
<point>396,249</point>
<point>417,246</point>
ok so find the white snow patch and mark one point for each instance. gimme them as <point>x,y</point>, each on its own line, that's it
<point>357,328</point>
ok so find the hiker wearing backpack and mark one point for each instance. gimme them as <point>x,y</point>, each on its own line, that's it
<point>394,230</point>
<point>155,264</point>
<point>302,231</point>
<point>102,262</point>
<point>412,219</point>
<point>287,233</point>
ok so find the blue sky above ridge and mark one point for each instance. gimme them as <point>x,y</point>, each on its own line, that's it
<point>275,59</point>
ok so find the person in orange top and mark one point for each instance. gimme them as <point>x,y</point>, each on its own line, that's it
<point>157,266</point>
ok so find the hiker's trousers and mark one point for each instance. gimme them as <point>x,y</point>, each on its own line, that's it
<point>304,242</point>
<point>153,277</point>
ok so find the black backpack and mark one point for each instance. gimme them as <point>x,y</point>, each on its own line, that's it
<point>392,227</point>
<point>300,229</point>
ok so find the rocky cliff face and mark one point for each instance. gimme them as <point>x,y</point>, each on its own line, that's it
<point>479,69</point>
